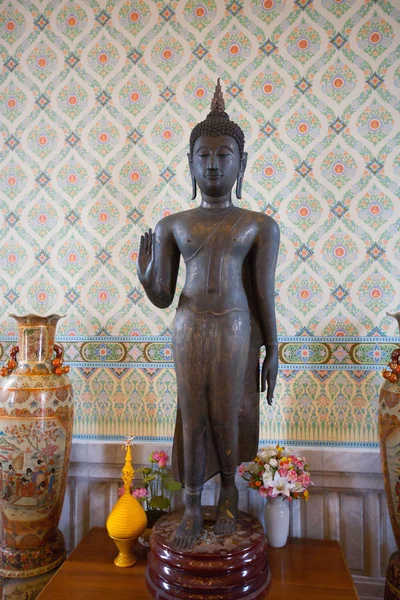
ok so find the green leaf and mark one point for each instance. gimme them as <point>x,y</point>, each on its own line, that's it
<point>145,470</point>
<point>149,478</point>
<point>160,502</point>
<point>172,485</point>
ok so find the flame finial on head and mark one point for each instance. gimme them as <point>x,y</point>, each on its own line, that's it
<point>218,102</point>
<point>218,123</point>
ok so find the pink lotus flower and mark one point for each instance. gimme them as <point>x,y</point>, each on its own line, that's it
<point>140,493</point>
<point>157,457</point>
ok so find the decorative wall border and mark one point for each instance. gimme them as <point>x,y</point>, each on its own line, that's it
<point>367,353</point>
<point>344,384</point>
<point>262,442</point>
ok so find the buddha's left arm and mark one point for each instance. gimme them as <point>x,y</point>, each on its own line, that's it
<point>265,255</point>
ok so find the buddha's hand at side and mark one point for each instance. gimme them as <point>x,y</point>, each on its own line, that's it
<point>145,261</point>
<point>269,371</point>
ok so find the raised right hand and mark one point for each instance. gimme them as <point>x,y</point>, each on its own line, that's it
<point>146,257</point>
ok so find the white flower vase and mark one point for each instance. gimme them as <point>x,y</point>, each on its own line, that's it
<point>276,519</point>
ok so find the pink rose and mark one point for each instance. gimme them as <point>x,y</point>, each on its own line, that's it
<point>292,475</point>
<point>263,492</point>
<point>304,479</point>
<point>241,470</point>
<point>282,472</point>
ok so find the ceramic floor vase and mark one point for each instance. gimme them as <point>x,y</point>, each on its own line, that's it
<point>26,588</point>
<point>36,420</point>
<point>389,439</point>
<point>276,519</point>
<point>392,583</point>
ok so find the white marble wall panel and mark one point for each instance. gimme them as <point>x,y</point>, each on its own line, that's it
<point>345,505</point>
<point>351,510</point>
<point>333,517</point>
<point>313,515</point>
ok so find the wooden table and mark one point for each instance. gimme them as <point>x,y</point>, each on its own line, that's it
<point>304,569</point>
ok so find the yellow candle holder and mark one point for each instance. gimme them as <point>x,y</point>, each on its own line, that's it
<point>127,520</point>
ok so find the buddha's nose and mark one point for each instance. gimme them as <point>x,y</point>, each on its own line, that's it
<point>213,164</point>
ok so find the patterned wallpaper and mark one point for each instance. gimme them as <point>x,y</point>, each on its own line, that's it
<point>97,100</point>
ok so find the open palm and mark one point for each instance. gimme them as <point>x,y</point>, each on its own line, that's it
<point>146,256</point>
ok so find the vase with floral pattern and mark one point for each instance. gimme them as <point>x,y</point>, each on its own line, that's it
<point>36,420</point>
<point>389,438</point>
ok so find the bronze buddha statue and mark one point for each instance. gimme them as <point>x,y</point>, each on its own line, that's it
<point>226,313</point>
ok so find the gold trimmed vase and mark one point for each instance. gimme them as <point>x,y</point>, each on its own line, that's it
<point>389,439</point>
<point>36,421</point>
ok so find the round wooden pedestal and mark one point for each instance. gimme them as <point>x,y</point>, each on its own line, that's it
<point>223,567</point>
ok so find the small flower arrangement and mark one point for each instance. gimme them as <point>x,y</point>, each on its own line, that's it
<point>158,484</point>
<point>277,471</point>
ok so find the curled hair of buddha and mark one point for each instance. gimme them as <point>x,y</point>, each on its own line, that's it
<point>218,123</point>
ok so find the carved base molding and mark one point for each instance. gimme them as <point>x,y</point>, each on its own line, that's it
<point>347,502</point>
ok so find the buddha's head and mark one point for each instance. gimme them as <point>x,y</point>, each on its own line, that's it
<point>217,158</point>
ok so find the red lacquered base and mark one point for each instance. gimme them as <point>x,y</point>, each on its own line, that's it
<point>223,567</point>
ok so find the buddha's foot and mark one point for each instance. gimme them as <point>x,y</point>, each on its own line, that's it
<point>227,510</point>
<point>188,529</point>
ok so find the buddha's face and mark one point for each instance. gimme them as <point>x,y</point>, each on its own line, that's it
<point>215,164</point>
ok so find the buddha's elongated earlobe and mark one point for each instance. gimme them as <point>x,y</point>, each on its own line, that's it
<point>239,180</point>
<point>194,186</point>
<point>239,183</point>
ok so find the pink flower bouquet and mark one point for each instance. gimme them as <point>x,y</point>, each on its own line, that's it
<point>277,471</point>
